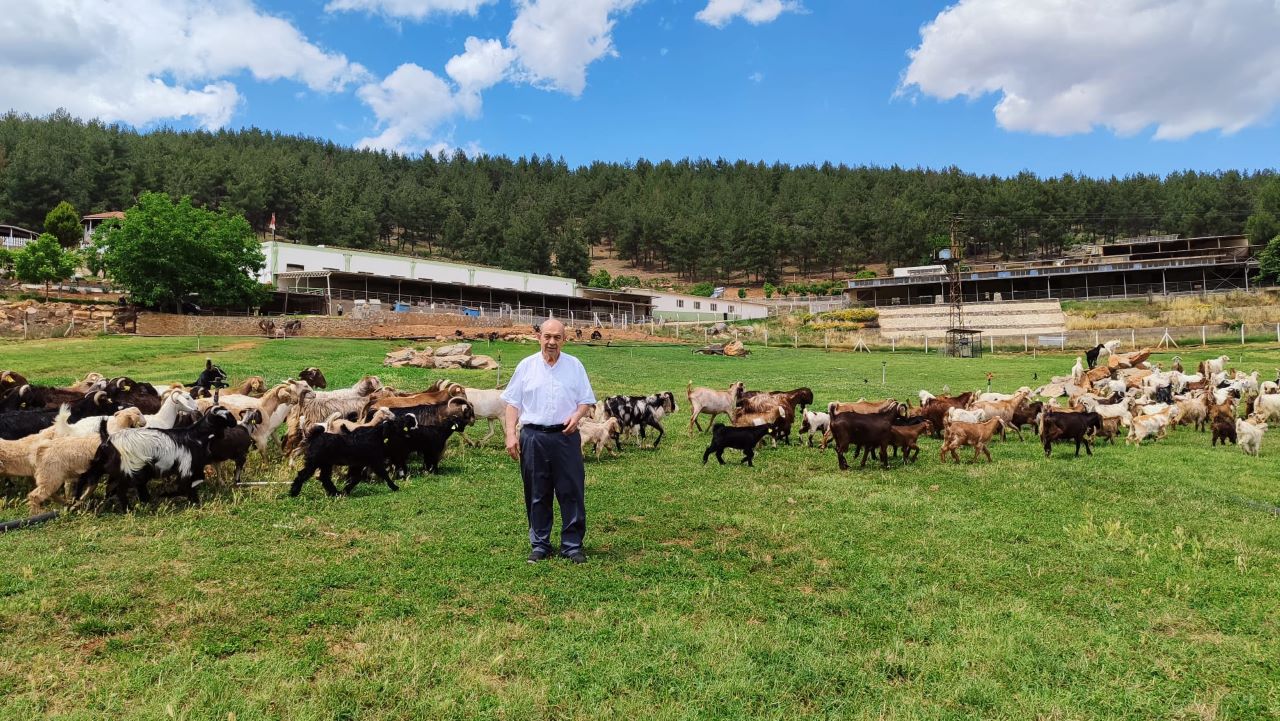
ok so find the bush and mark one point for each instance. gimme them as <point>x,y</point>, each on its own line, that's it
<point>864,274</point>
<point>600,279</point>
<point>626,281</point>
<point>850,315</point>
<point>742,292</point>
<point>704,289</point>
<point>769,290</point>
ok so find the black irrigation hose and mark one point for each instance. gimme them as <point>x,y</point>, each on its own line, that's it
<point>29,521</point>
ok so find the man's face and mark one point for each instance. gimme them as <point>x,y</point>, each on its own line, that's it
<point>550,338</point>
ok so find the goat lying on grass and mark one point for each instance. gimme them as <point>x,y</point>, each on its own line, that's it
<point>743,439</point>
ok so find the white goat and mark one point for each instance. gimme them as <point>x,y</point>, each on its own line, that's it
<point>1249,436</point>
<point>1113,410</point>
<point>985,397</point>
<point>925,397</point>
<point>1109,348</point>
<point>1077,370</point>
<point>1147,426</point>
<point>174,403</point>
<point>1214,365</point>
<point>488,404</point>
<point>817,422</point>
<point>1268,407</point>
<point>960,415</point>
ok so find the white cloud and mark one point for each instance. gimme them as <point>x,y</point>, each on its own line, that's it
<point>411,9</point>
<point>410,104</point>
<point>147,60</point>
<point>483,64</point>
<point>756,77</point>
<point>719,13</point>
<point>557,39</point>
<point>1182,66</point>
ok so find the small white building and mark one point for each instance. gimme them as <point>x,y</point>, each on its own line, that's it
<point>682,307</point>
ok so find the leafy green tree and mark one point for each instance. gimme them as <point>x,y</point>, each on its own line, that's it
<point>6,260</point>
<point>600,279</point>
<point>769,290</point>
<point>705,289</point>
<point>626,281</point>
<point>43,261</point>
<point>742,292</point>
<point>63,223</point>
<point>1269,263</point>
<point>165,253</point>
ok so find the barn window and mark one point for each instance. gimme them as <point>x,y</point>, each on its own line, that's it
<point>713,306</point>
<point>679,303</point>
<point>697,305</point>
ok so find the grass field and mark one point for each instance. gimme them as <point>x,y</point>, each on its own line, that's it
<point>1140,583</point>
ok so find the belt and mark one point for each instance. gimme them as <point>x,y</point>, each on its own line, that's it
<point>557,428</point>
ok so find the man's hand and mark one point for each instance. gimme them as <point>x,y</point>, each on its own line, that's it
<point>571,425</point>
<point>513,446</point>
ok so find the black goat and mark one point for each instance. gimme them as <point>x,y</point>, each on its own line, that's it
<point>427,441</point>
<point>235,442</point>
<point>1163,394</point>
<point>744,439</point>
<point>1091,355</point>
<point>128,392</point>
<point>210,378</point>
<point>134,456</point>
<point>1078,427</point>
<point>359,449</point>
<point>26,397</point>
<point>22,423</point>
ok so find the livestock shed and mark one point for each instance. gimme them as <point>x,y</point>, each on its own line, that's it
<point>1132,267</point>
<point>347,280</point>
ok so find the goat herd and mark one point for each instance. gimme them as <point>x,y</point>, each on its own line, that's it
<point>128,432</point>
<point>1124,392</point>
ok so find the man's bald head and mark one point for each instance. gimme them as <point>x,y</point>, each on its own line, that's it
<point>550,336</point>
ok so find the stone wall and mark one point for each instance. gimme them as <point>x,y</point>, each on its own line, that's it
<point>34,319</point>
<point>312,326</point>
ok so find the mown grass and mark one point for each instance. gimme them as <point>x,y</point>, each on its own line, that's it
<point>1140,583</point>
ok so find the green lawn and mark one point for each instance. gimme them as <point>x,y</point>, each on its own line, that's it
<point>1140,583</point>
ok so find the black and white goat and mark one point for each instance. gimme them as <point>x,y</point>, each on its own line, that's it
<point>134,456</point>
<point>635,413</point>
<point>362,448</point>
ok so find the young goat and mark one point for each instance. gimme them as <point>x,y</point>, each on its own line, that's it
<point>1250,435</point>
<point>815,422</point>
<point>635,413</point>
<point>235,443</point>
<point>599,433</point>
<point>744,439</point>
<point>1224,431</point>
<point>977,435</point>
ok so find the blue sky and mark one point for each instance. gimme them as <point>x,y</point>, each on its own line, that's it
<point>1097,87</point>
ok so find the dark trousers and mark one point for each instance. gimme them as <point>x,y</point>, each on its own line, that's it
<point>552,463</point>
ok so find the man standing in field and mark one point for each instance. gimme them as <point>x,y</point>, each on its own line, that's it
<point>548,394</point>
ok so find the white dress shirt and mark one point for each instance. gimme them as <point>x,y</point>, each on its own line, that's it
<point>546,395</point>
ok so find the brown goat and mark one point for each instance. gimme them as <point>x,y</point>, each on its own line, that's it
<point>936,409</point>
<point>977,435</point>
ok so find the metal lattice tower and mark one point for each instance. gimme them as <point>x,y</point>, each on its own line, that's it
<point>956,316</point>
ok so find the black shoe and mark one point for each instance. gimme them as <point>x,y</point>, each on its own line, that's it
<point>538,554</point>
<point>576,557</point>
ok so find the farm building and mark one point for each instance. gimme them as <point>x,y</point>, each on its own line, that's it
<point>92,221</point>
<point>317,279</point>
<point>13,237</point>
<point>680,307</point>
<point>1125,268</point>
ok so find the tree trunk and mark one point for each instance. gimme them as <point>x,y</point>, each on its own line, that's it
<point>46,291</point>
